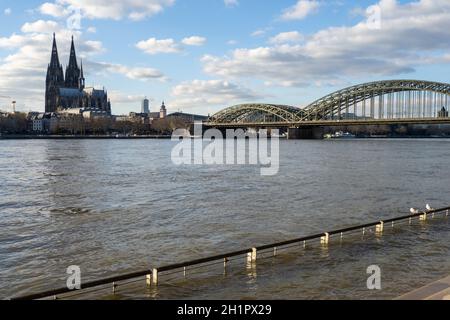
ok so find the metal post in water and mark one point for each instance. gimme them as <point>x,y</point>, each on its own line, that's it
<point>325,239</point>
<point>251,256</point>
<point>155,277</point>
<point>380,227</point>
<point>148,279</point>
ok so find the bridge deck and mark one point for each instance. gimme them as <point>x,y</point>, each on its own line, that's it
<point>331,123</point>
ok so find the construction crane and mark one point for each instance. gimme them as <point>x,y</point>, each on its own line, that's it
<point>12,102</point>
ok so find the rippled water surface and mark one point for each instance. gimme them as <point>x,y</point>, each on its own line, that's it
<point>114,206</point>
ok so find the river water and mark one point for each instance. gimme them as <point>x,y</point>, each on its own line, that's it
<point>117,206</point>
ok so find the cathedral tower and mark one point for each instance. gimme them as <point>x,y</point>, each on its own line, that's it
<point>72,70</point>
<point>54,80</point>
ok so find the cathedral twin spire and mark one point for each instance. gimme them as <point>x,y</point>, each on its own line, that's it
<point>74,77</point>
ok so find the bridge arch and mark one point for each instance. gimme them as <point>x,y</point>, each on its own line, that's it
<point>382,99</point>
<point>258,113</point>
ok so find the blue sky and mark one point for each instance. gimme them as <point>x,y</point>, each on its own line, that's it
<point>203,55</point>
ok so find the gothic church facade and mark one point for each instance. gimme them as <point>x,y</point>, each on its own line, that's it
<point>68,92</point>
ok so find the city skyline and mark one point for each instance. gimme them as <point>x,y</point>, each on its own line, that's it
<point>203,56</point>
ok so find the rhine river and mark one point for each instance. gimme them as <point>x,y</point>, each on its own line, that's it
<point>117,206</point>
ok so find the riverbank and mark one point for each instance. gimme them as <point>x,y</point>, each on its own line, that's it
<point>69,137</point>
<point>439,290</point>
<point>153,137</point>
<point>389,137</point>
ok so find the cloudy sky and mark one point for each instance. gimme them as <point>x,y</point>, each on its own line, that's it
<point>203,55</point>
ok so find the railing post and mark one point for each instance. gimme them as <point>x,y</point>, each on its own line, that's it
<point>251,256</point>
<point>114,287</point>
<point>155,277</point>
<point>380,227</point>
<point>423,217</point>
<point>148,280</point>
<point>325,239</point>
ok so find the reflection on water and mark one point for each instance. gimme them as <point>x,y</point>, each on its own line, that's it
<point>116,206</point>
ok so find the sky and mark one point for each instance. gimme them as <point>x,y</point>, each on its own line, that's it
<point>201,56</point>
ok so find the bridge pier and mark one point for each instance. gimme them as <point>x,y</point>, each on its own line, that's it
<point>307,133</point>
<point>197,128</point>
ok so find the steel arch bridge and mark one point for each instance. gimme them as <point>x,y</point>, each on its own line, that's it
<point>253,112</point>
<point>390,99</point>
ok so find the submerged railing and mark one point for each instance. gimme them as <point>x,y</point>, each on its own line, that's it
<point>152,274</point>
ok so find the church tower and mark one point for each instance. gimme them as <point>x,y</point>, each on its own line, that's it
<point>72,70</point>
<point>54,80</point>
<point>163,111</point>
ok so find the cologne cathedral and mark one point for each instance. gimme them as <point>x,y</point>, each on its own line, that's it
<point>68,92</point>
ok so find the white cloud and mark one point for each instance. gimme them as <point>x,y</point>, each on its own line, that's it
<point>411,35</point>
<point>53,9</point>
<point>140,73</point>
<point>231,3</point>
<point>154,46</point>
<point>301,10</point>
<point>232,42</point>
<point>194,41</point>
<point>122,98</point>
<point>91,30</point>
<point>7,11</point>
<point>287,37</point>
<point>258,33</point>
<point>211,93</point>
<point>40,26</point>
<point>111,9</point>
